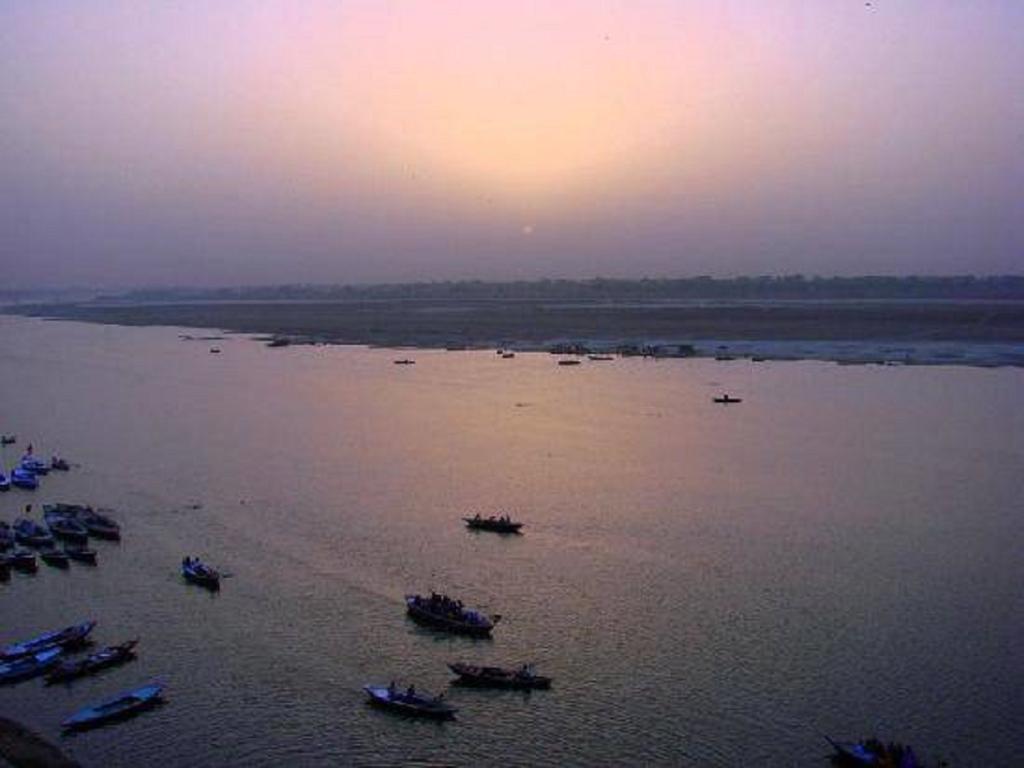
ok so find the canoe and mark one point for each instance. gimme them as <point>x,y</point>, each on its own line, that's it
<point>108,657</point>
<point>81,554</point>
<point>23,560</point>
<point>196,572</point>
<point>523,678</point>
<point>64,527</point>
<point>410,702</point>
<point>56,557</point>
<point>460,621</point>
<point>28,666</point>
<point>31,533</point>
<point>494,524</point>
<point>122,706</point>
<point>69,637</point>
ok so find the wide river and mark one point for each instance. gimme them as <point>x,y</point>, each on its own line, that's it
<point>708,585</point>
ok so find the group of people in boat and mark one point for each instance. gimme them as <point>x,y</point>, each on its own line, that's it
<point>492,518</point>
<point>443,605</point>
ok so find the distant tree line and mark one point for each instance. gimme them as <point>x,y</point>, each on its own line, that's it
<point>786,287</point>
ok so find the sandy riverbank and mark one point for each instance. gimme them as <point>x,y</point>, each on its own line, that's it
<point>971,333</point>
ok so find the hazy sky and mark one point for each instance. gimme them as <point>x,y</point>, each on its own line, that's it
<point>206,143</point>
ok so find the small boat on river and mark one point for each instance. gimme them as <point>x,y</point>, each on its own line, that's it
<point>569,362</point>
<point>23,478</point>
<point>81,554</point>
<point>28,666</point>
<point>195,571</point>
<point>405,361</point>
<point>410,702</point>
<point>441,612</point>
<point>724,399</point>
<point>503,524</point>
<point>65,527</point>
<point>110,656</point>
<point>59,464</point>
<point>31,464</point>
<point>96,523</point>
<point>58,558</point>
<point>70,637</point>
<point>23,560</point>
<point>31,533</point>
<point>523,678</point>
<point>120,707</point>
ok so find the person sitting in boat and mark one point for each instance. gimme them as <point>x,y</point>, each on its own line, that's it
<point>410,692</point>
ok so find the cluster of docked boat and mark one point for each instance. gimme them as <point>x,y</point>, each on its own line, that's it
<point>446,614</point>
<point>29,469</point>
<point>70,524</point>
<point>48,654</point>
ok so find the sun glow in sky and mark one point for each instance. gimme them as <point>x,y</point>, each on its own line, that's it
<point>332,141</point>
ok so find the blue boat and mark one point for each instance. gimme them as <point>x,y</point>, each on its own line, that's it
<point>409,702</point>
<point>195,571</point>
<point>69,637</point>
<point>120,707</point>
<point>31,464</point>
<point>21,478</point>
<point>23,560</point>
<point>28,666</point>
<point>65,527</point>
<point>5,482</point>
<point>30,532</point>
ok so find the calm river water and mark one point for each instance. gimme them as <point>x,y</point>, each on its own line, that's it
<point>708,585</point>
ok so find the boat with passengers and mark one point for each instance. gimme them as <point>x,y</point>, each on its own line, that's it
<point>442,612</point>
<point>410,702</point>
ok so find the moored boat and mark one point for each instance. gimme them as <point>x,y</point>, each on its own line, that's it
<point>503,524</point>
<point>197,572</point>
<point>441,612</point>
<point>108,657</point>
<point>24,667</point>
<point>124,705</point>
<point>98,524</point>
<point>65,527</point>
<point>410,702</point>
<point>69,637</point>
<point>851,754</point>
<point>24,479</point>
<point>81,554</point>
<point>56,557</point>
<point>31,464</point>
<point>569,362</point>
<point>23,560</point>
<point>30,532</point>
<point>523,678</point>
